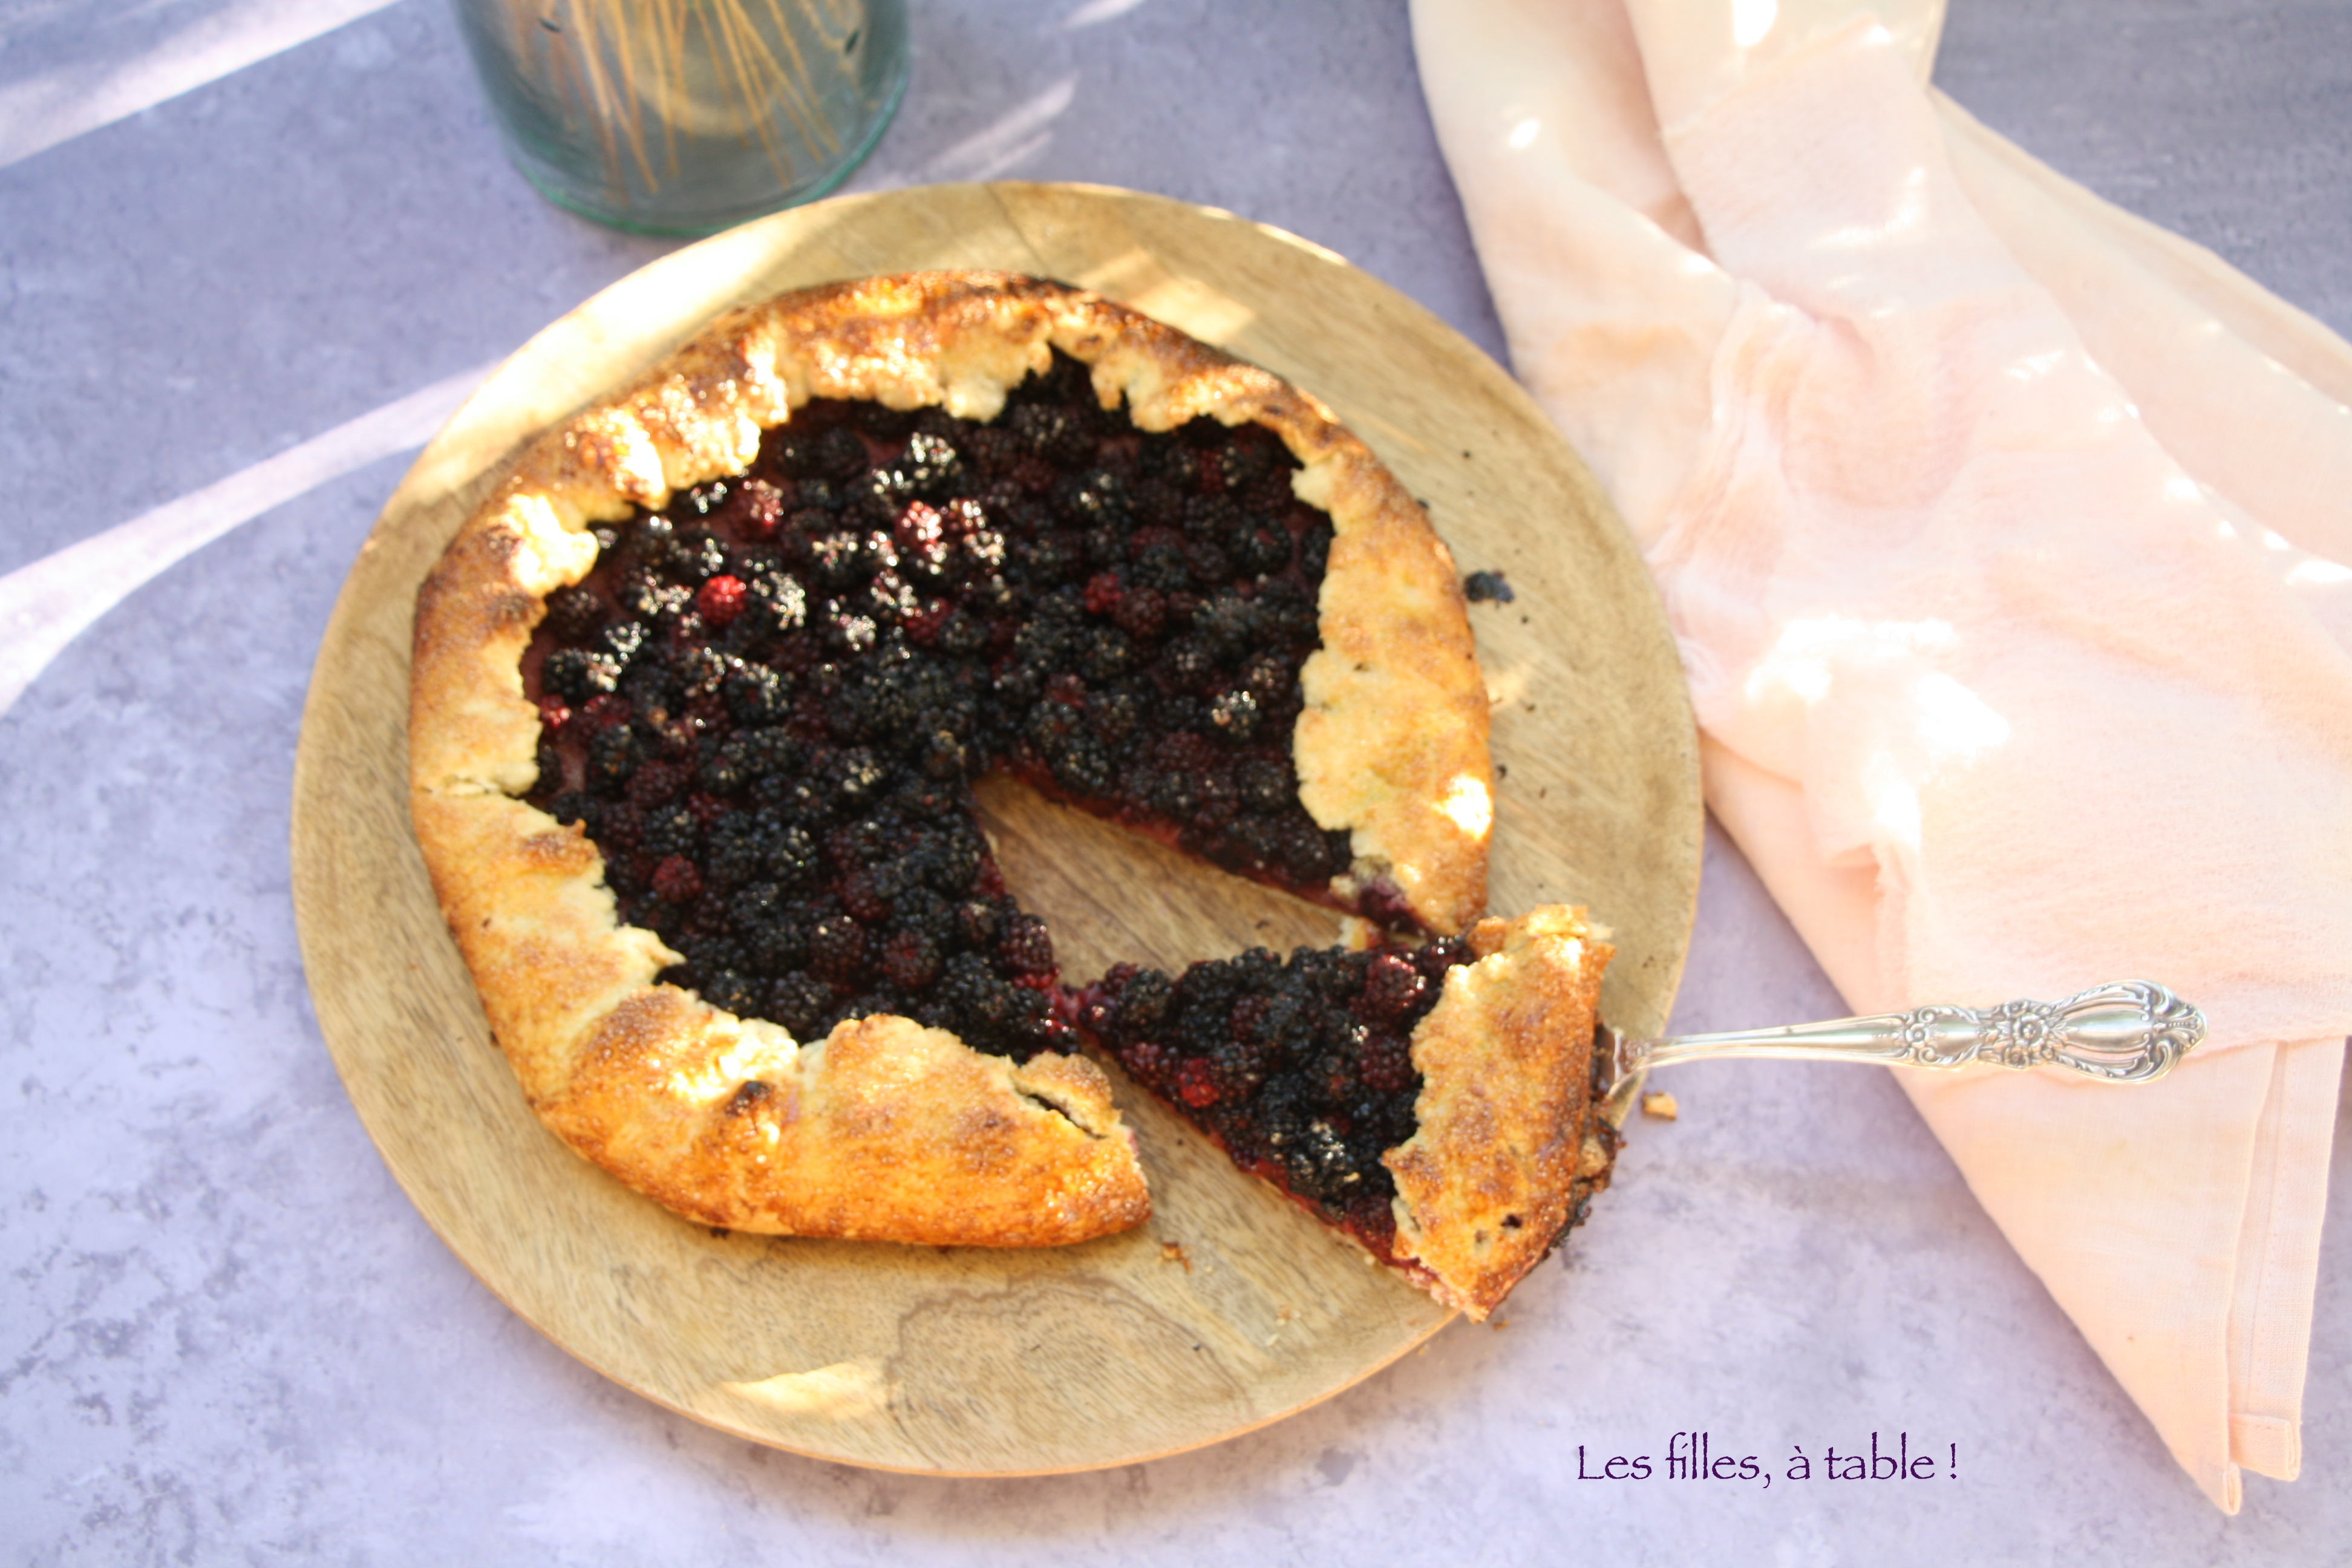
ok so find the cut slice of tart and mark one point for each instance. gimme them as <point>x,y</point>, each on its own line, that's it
<point>1436,1104</point>
<point>701,691</point>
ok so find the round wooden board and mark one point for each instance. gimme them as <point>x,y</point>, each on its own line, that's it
<point>1231,1309</point>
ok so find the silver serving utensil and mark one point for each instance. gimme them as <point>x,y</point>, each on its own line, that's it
<point>2129,1032</point>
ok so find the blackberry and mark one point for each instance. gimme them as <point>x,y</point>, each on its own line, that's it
<point>1258,549</point>
<point>576,675</point>
<point>1387,1066</point>
<point>1152,1065</point>
<point>693,556</point>
<point>1025,947</point>
<point>650,686</point>
<point>1207,562</point>
<point>991,448</point>
<point>1052,434</point>
<point>1094,501</point>
<point>756,694</point>
<point>1112,716</point>
<point>735,992</point>
<point>644,595</point>
<point>920,536</point>
<point>1141,613</point>
<point>671,830</point>
<point>1226,624</point>
<point>785,601</point>
<point>622,640</point>
<point>1081,763</point>
<point>778,945</point>
<point>1237,1068</point>
<point>699,670</point>
<point>963,634</point>
<point>910,960</point>
<point>1156,502</point>
<point>1105,654</point>
<point>929,465</point>
<point>656,783</point>
<point>859,844</point>
<point>1254,455</point>
<point>1211,517</point>
<point>847,559</point>
<point>1319,1164</point>
<point>1235,713</point>
<point>753,509</point>
<point>800,1003</point>
<point>833,454</point>
<point>1315,551</point>
<point>574,614</point>
<point>981,921</point>
<point>837,949</point>
<point>1190,664</point>
<point>1265,783</point>
<point>987,1010</point>
<point>1434,957</point>
<point>700,500</point>
<point>1393,986</point>
<point>612,755</point>
<point>1215,802</point>
<point>850,776</point>
<point>1160,564</point>
<point>1054,556</point>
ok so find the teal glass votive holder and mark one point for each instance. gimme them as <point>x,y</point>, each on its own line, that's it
<point>686,116</point>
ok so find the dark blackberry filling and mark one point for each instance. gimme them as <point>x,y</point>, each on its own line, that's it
<point>1302,1070</point>
<point>767,702</point>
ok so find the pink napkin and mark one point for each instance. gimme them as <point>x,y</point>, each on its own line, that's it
<point>2004,538</point>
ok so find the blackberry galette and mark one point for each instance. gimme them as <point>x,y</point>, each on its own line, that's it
<point>700,693</point>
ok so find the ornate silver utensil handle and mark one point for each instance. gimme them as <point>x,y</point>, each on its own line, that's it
<point>2133,1031</point>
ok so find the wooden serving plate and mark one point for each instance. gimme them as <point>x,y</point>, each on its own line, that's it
<point>1231,1309</point>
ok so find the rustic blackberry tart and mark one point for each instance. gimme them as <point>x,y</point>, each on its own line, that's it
<point>700,692</point>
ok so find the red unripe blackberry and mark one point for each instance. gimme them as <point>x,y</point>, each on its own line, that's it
<point>676,881</point>
<point>1105,593</point>
<point>721,599</point>
<point>1196,1085</point>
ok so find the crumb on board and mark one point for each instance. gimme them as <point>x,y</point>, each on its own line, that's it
<point>1485,587</point>
<point>1173,1252</point>
<point>1660,1104</point>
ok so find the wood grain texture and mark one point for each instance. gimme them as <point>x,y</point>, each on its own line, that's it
<point>1231,1309</point>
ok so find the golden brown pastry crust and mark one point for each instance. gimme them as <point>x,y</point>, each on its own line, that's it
<point>886,1130</point>
<point>1509,1140</point>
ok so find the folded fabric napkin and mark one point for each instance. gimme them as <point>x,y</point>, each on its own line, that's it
<point>2004,538</point>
